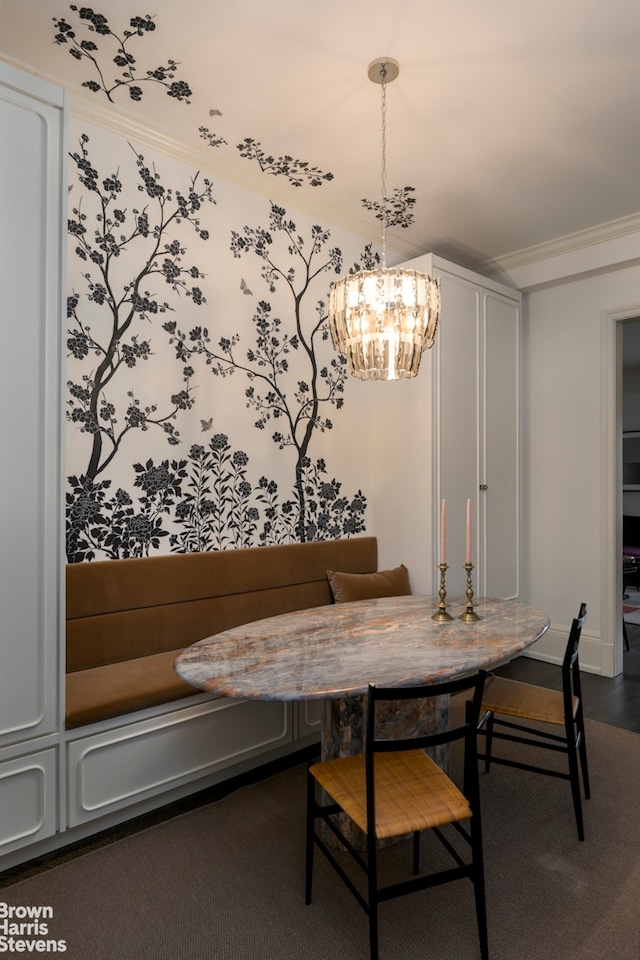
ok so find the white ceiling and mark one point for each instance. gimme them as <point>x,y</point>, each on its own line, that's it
<point>516,123</point>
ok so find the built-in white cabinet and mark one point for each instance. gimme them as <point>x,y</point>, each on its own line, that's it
<point>477,427</point>
<point>454,433</point>
<point>32,165</point>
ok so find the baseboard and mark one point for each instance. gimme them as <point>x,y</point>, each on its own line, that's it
<point>596,656</point>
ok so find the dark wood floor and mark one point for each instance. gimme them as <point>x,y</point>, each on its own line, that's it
<point>615,701</point>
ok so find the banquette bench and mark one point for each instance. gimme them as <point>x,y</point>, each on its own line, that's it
<point>127,620</point>
<point>132,736</point>
<point>137,736</point>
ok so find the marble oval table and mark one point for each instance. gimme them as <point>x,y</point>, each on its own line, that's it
<point>333,653</point>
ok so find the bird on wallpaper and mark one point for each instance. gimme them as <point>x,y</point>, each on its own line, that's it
<point>245,288</point>
<point>215,113</point>
<point>206,424</point>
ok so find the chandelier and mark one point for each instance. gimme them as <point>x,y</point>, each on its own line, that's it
<point>383,319</point>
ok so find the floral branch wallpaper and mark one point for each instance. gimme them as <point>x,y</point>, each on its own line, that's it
<point>201,375</point>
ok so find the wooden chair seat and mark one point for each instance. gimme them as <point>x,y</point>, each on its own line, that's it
<point>412,792</point>
<point>515,699</point>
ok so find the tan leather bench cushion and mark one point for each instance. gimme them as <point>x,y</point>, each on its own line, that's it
<point>118,688</point>
<point>128,619</point>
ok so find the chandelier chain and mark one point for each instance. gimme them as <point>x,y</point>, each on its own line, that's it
<point>383,171</point>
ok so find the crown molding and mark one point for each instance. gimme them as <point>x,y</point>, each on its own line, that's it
<point>572,242</point>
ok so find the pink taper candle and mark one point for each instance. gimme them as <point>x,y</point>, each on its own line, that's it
<point>468,560</point>
<point>443,532</point>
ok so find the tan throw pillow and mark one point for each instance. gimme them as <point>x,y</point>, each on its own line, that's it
<point>366,586</point>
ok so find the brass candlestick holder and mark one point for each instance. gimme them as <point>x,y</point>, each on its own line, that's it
<point>442,613</point>
<point>469,614</point>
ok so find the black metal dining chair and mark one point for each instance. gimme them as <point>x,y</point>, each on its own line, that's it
<point>551,709</point>
<point>395,789</point>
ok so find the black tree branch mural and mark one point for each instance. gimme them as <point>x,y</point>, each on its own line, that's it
<point>396,210</point>
<point>276,391</point>
<point>107,243</point>
<point>85,49</point>
<point>142,237</point>
<point>205,500</point>
<point>297,172</point>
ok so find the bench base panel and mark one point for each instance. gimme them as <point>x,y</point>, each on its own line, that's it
<point>117,768</point>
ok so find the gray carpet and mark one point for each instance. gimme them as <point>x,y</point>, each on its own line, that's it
<point>225,881</point>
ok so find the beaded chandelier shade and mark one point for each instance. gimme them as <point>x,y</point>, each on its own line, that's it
<point>383,319</point>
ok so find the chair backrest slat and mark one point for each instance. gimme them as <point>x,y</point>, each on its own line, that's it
<point>571,664</point>
<point>571,651</point>
<point>466,731</point>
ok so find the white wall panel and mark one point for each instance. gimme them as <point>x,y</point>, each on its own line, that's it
<point>30,495</point>
<point>120,767</point>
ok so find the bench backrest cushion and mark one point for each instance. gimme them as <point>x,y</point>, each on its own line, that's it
<point>123,609</point>
<point>347,587</point>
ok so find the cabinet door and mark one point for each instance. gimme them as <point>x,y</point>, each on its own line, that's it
<point>477,456</point>
<point>458,394</point>
<point>27,800</point>
<point>499,470</point>
<point>30,433</point>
